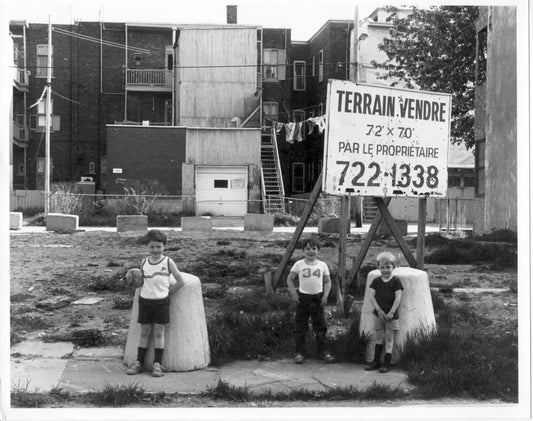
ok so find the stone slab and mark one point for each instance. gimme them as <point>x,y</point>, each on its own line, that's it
<point>98,353</point>
<point>330,226</point>
<point>82,376</point>
<point>132,223</point>
<point>196,223</point>
<point>258,222</point>
<point>42,374</point>
<point>43,349</point>
<point>61,222</point>
<point>15,220</point>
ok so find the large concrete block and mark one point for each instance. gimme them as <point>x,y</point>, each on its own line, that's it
<point>196,223</point>
<point>258,222</point>
<point>61,222</point>
<point>330,226</point>
<point>132,223</point>
<point>415,311</point>
<point>384,229</point>
<point>15,220</point>
<point>186,340</point>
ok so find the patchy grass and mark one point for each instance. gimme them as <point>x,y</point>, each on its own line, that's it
<point>349,346</point>
<point>230,393</point>
<point>81,337</point>
<point>472,252</point>
<point>107,283</point>
<point>503,235</point>
<point>238,334</point>
<point>29,323</point>
<point>22,397</point>
<point>117,395</point>
<point>122,302</point>
<point>17,298</point>
<point>285,220</point>
<point>466,357</point>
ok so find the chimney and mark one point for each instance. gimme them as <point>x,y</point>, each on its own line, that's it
<point>231,14</point>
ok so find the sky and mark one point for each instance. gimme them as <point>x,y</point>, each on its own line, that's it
<point>303,17</point>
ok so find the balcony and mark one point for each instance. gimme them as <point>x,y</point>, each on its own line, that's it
<point>20,79</point>
<point>149,80</point>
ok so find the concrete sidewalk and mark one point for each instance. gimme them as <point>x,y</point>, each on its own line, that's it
<point>44,366</point>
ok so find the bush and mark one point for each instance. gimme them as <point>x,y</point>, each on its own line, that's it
<point>65,200</point>
<point>504,235</point>
<point>350,346</point>
<point>117,395</point>
<point>285,220</point>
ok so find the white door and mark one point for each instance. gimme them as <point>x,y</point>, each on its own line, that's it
<point>221,191</point>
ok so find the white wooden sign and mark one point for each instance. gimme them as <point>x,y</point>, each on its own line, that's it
<point>383,141</point>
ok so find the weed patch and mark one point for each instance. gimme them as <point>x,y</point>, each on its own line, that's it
<point>17,298</point>
<point>467,357</point>
<point>121,302</point>
<point>472,252</point>
<point>285,220</point>
<point>349,346</point>
<point>80,337</point>
<point>107,283</point>
<point>22,397</point>
<point>29,323</point>
<point>503,235</point>
<point>114,395</point>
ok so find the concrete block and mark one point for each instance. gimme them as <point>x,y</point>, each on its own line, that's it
<point>15,220</point>
<point>196,223</point>
<point>61,222</point>
<point>132,223</point>
<point>385,230</point>
<point>186,341</point>
<point>258,222</point>
<point>330,225</point>
<point>415,310</point>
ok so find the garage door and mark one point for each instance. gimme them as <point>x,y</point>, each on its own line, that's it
<point>221,191</point>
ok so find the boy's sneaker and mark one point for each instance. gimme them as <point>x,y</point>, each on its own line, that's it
<point>135,368</point>
<point>384,368</point>
<point>299,359</point>
<point>374,366</point>
<point>157,370</point>
<point>328,358</point>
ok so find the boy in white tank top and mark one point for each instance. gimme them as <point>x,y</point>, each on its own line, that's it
<point>154,300</point>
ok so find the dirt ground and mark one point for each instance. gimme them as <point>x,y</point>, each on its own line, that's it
<point>92,264</point>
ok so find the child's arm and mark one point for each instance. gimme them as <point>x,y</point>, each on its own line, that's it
<point>327,289</point>
<point>290,285</point>
<point>372,297</point>
<point>177,275</point>
<point>397,299</point>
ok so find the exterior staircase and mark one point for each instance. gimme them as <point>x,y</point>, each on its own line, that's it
<point>272,182</point>
<point>369,209</point>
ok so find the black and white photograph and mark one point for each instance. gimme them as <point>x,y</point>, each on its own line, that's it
<point>267,210</point>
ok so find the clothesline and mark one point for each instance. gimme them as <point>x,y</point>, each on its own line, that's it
<point>295,131</point>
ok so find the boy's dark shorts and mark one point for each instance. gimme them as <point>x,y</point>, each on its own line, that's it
<point>154,311</point>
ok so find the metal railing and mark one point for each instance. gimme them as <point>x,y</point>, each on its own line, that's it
<point>148,77</point>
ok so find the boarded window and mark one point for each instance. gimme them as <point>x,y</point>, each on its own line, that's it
<point>221,184</point>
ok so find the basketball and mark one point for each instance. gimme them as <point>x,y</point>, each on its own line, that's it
<point>134,278</point>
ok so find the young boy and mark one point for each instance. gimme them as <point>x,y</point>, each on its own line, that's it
<point>385,296</point>
<point>154,300</point>
<point>311,296</point>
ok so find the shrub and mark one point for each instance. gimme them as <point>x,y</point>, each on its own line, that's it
<point>65,200</point>
<point>107,283</point>
<point>285,220</point>
<point>470,252</point>
<point>29,323</point>
<point>117,395</point>
<point>350,346</point>
<point>22,397</point>
<point>504,235</point>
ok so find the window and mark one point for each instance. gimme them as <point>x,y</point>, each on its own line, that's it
<point>313,67</point>
<point>137,59</point>
<point>298,177</point>
<point>321,65</point>
<point>469,181</point>
<point>42,60</point>
<point>270,110</point>
<point>274,64</point>
<point>454,181</point>
<point>38,120</point>
<point>170,57</point>
<point>92,167</point>
<point>20,169</point>
<point>299,76</point>
<point>298,115</point>
<point>480,168</point>
<point>220,184</point>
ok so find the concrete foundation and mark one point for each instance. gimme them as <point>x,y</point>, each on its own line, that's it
<point>330,226</point>
<point>186,341</point>
<point>132,223</point>
<point>258,222</point>
<point>416,309</point>
<point>384,229</point>
<point>196,223</point>
<point>15,220</point>
<point>61,222</point>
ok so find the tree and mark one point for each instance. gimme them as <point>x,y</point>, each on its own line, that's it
<point>435,50</point>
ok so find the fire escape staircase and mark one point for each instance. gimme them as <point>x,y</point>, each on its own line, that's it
<point>271,179</point>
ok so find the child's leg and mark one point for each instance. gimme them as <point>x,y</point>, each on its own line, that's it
<point>378,348</point>
<point>159,342</point>
<point>301,323</point>
<point>146,329</point>
<point>390,328</point>
<point>319,325</point>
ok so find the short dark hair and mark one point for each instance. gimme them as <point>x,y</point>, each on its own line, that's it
<point>155,235</point>
<point>312,242</point>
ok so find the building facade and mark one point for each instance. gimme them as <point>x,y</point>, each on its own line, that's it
<point>496,120</point>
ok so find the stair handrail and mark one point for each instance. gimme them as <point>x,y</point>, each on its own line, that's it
<point>263,190</point>
<point>278,164</point>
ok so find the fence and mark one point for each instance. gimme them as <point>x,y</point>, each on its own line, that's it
<point>26,200</point>
<point>455,214</point>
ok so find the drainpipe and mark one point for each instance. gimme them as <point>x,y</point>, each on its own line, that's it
<point>24,118</point>
<point>174,29</point>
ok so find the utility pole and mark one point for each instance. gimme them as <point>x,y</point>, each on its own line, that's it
<point>48,122</point>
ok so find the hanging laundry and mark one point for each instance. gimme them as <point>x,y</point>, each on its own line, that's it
<point>298,131</point>
<point>290,129</point>
<point>279,127</point>
<point>310,127</point>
